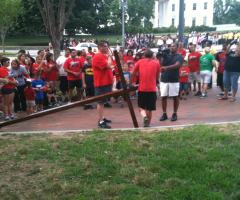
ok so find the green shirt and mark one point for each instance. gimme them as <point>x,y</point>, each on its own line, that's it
<point>206,62</point>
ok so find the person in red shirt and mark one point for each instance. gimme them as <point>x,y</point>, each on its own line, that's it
<point>181,50</point>
<point>8,89</point>
<point>51,71</point>
<point>221,58</point>
<point>30,96</point>
<point>90,53</point>
<point>148,70</point>
<point>194,66</point>
<point>103,79</point>
<point>73,67</point>
<point>128,58</point>
<point>184,72</point>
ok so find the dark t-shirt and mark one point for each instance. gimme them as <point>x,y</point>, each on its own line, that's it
<point>88,71</point>
<point>232,63</point>
<point>171,76</point>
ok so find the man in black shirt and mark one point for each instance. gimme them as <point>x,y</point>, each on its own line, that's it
<point>169,85</point>
<point>231,72</point>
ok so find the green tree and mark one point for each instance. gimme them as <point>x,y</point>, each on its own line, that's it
<point>9,10</point>
<point>55,14</point>
<point>226,12</point>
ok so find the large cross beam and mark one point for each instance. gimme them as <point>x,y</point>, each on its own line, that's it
<point>123,92</point>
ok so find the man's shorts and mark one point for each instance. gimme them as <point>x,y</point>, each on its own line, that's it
<point>206,76</point>
<point>147,100</point>
<point>169,89</point>
<point>103,90</point>
<point>194,76</point>
<point>74,83</point>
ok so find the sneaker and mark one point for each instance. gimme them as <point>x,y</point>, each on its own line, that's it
<point>198,93</point>
<point>107,105</point>
<point>12,116</point>
<point>164,117</point>
<point>145,122</point>
<point>103,124</point>
<point>7,118</point>
<point>174,117</point>
<point>203,96</point>
<point>107,120</point>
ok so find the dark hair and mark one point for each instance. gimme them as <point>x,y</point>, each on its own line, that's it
<point>22,51</point>
<point>148,53</point>
<point>102,43</point>
<point>48,56</point>
<point>129,51</point>
<point>39,51</point>
<point>4,59</point>
<point>17,61</point>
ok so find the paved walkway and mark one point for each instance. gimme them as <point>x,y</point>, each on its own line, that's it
<point>191,111</point>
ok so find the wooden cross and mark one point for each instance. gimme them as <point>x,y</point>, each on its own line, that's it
<point>123,92</point>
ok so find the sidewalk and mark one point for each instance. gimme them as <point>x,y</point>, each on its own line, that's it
<point>191,111</point>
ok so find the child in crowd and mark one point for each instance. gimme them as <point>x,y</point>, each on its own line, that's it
<point>184,72</point>
<point>8,89</point>
<point>30,96</point>
<point>39,87</point>
<point>87,80</point>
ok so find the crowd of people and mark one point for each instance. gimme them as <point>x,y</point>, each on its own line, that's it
<point>33,84</point>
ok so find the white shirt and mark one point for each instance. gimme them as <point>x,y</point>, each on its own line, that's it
<point>60,62</point>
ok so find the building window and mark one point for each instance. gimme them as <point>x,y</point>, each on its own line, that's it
<point>205,21</point>
<point>205,6</point>
<point>194,6</point>
<point>173,22</point>
<point>173,7</point>
<point>193,21</point>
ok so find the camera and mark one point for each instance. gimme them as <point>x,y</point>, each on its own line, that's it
<point>163,52</point>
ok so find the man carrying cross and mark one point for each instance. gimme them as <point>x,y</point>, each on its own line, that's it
<point>103,79</point>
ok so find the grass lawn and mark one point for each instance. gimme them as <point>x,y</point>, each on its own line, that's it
<point>44,40</point>
<point>194,163</point>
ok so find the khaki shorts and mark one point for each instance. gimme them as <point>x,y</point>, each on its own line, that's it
<point>30,103</point>
<point>195,76</point>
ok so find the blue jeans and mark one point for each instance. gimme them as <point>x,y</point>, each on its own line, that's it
<point>230,80</point>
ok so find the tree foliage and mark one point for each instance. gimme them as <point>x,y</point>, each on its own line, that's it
<point>55,14</point>
<point>9,10</point>
<point>226,12</point>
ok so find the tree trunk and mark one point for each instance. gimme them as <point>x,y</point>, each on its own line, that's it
<point>56,44</point>
<point>3,35</point>
<point>55,18</point>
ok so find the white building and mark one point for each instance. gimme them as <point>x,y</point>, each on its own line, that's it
<point>196,12</point>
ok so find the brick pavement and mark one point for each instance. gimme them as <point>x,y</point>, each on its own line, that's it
<point>191,111</point>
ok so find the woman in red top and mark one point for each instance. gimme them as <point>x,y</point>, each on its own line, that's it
<point>51,72</point>
<point>8,89</point>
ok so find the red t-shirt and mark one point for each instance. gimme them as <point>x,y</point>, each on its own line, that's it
<point>51,75</point>
<point>103,76</point>
<point>221,58</point>
<point>4,73</point>
<point>91,54</point>
<point>194,61</point>
<point>182,52</point>
<point>148,70</point>
<point>29,94</point>
<point>35,68</point>
<point>74,65</point>
<point>127,58</point>
<point>82,60</point>
<point>184,70</point>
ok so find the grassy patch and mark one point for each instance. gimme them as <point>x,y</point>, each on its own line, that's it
<point>44,40</point>
<point>194,163</point>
